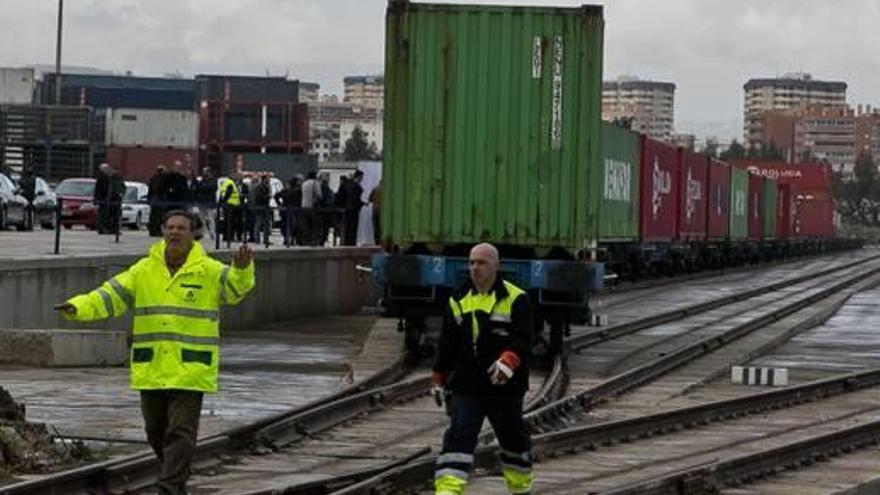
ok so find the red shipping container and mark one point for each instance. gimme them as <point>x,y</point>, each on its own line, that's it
<point>692,198</point>
<point>718,205</point>
<point>784,208</point>
<point>756,207</point>
<point>807,176</point>
<point>139,164</point>
<point>659,190</point>
<point>814,214</point>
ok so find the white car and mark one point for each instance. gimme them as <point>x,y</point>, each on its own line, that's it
<point>135,208</point>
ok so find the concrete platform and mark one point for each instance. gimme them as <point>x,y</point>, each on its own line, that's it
<point>63,347</point>
<point>291,283</point>
<point>262,372</point>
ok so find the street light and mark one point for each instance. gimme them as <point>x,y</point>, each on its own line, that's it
<point>58,55</point>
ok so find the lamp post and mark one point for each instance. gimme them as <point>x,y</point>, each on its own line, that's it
<point>58,55</point>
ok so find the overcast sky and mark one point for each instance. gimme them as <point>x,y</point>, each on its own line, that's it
<point>708,48</point>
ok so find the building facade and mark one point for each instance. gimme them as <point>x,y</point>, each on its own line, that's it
<point>650,105</point>
<point>837,135</point>
<point>786,92</point>
<point>309,92</point>
<point>366,91</point>
<point>326,119</point>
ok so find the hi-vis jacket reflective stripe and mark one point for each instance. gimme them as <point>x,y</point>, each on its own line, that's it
<point>175,339</point>
<point>234,199</point>
<point>477,328</point>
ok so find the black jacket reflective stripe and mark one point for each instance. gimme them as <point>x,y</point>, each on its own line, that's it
<point>467,371</point>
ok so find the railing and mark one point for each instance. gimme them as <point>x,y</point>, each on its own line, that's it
<point>243,223</point>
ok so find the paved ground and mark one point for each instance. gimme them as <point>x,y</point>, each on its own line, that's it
<point>78,241</point>
<point>263,372</point>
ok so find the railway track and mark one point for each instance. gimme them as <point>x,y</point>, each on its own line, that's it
<point>368,481</point>
<point>563,413</point>
<point>382,393</point>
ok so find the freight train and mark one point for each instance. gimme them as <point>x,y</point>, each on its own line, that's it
<point>492,132</point>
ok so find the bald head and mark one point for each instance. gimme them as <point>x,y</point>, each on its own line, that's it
<point>484,266</point>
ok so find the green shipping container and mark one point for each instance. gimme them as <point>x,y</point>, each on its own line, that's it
<point>492,125</point>
<point>619,206</point>
<point>769,209</point>
<point>739,196</point>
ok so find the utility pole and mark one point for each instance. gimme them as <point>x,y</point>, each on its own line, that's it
<point>58,55</point>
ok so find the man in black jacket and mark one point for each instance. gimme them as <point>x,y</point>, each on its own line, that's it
<point>101,198</point>
<point>482,360</point>
<point>156,197</point>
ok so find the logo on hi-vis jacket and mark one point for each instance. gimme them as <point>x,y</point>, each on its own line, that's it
<point>190,296</point>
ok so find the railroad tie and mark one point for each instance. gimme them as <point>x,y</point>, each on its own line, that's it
<point>759,375</point>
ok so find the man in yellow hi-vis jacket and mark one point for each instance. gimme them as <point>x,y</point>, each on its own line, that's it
<point>175,294</point>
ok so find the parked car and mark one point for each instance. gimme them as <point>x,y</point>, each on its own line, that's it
<point>135,207</point>
<point>13,206</point>
<point>44,205</point>
<point>77,203</point>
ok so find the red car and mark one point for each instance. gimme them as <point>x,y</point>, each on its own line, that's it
<point>77,207</point>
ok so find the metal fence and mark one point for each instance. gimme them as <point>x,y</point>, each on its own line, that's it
<point>222,223</point>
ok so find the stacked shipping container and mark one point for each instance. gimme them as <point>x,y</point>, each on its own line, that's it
<point>692,198</point>
<point>239,114</point>
<point>619,207</point>
<point>719,205</point>
<point>809,200</point>
<point>659,192</point>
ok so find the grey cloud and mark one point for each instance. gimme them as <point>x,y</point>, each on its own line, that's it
<point>709,48</point>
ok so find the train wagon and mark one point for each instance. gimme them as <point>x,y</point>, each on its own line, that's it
<point>755,208</point>
<point>692,199</point>
<point>659,192</point>
<point>769,198</point>
<point>491,133</point>
<point>739,205</point>
<point>718,206</point>
<point>619,205</point>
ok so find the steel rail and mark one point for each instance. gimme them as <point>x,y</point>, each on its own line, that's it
<point>416,473</point>
<point>141,469</point>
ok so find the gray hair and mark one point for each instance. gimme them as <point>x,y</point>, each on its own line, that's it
<point>491,250</point>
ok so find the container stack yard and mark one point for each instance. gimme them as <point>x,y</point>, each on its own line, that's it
<point>137,123</point>
<point>253,123</point>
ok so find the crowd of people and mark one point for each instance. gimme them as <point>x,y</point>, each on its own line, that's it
<point>239,208</point>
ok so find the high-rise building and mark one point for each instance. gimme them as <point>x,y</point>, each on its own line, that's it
<point>650,105</point>
<point>331,122</point>
<point>788,91</point>
<point>837,135</point>
<point>367,91</point>
<point>309,92</point>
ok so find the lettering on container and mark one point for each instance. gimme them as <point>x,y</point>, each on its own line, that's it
<point>618,178</point>
<point>662,187</point>
<point>537,57</point>
<point>556,120</point>
<point>694,195</point>
<point>776,174</point>
<point>718,194</point>
<point>739,203</point>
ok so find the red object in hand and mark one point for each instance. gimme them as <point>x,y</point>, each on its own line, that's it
<point>511,359</point>
<point>438,378</point>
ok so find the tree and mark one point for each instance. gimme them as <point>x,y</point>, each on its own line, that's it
<point>625,122</point>
<point>735,151</point>
<point>768,151</point>
<point>710,149</point>
<point>358,148</point>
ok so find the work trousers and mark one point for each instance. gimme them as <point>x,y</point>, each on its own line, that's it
<point>506,417</point>
<point>171,418</point>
